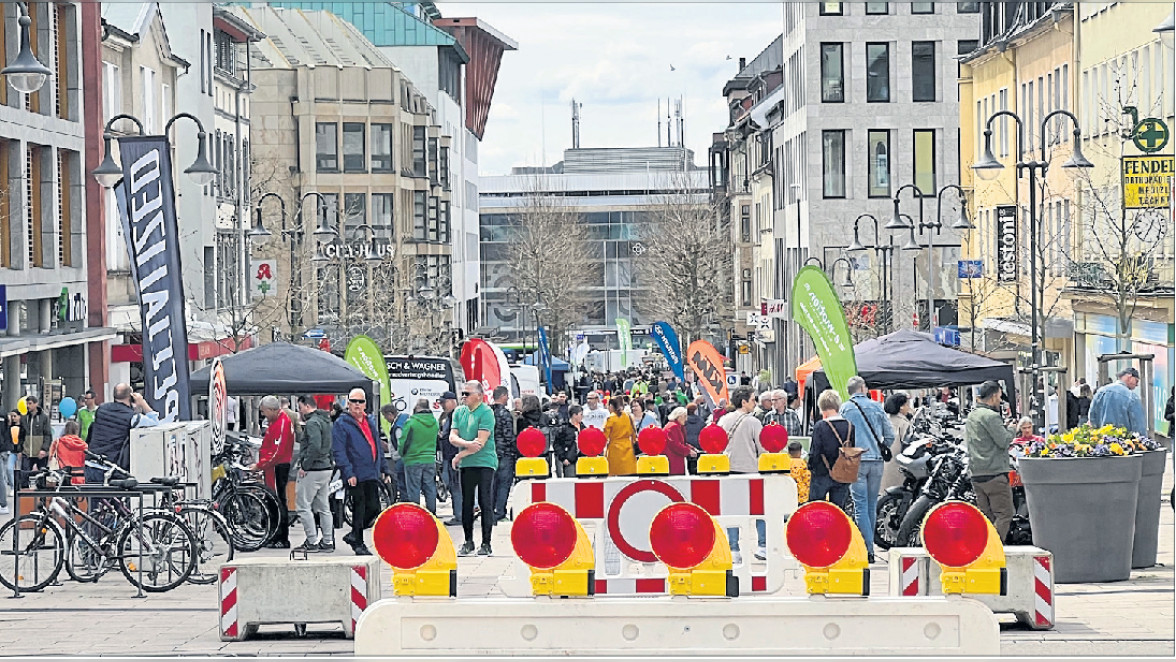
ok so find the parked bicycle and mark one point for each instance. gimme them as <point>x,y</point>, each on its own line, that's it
<point>250,509</point>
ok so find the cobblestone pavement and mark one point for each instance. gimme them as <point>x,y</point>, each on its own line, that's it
<point>1135,617</point>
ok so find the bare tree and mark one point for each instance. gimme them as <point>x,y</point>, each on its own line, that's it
<point>549,261</point>
<point>687,267</point>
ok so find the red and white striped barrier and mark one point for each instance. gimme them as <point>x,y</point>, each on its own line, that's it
<point>617,511</point>
<point>266,591</point>
<point>1030,595</point>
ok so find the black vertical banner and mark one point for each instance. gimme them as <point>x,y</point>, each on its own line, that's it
<point>147,204</point>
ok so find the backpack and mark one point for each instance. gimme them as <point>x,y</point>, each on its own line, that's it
<point>849,459</point>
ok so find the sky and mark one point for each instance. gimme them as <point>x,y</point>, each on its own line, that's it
<point>615,59</point>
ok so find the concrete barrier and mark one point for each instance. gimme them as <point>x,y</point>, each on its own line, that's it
<point>263,591</point>
<point>929,626</point>
<point>1030,595</point>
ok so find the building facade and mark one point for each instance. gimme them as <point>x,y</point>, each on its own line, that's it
<point>50,337</point>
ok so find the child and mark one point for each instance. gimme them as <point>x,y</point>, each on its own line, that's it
<point>799,472</point>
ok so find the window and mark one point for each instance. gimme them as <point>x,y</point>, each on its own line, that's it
<point>203,63</point>
<point>922,7</point>
<point>878,146</point>
<point>226,53</point>
<point>878,73</point>
<point>433,149</point>
<point>746,288</point>
<point>381,147</point>
<point>326,146</point>
<point>877,8</point>
<point>433,225</point>
<point>964,47</point>
<point>33,208</point>
<point>445,221</point>
<point>832,73</point>
<point>444,166</point>
<point>925,161</point>
<point>111,91</point>
<point>833,163</point>
<point>418,151</point>
<point>147,79</point>
<point>5,219</point>
<point>923,71</point>
<point>382,215</point>
<point>745,223</point>
<point>65,208</point>
<point>831,9</point>
<point>353,145</point>
<point>62,18</point>
<point>967,7</point>
<point>1004,122</point>
<point>354,214</point>
<point>218,161</point>
<point>418,215</point>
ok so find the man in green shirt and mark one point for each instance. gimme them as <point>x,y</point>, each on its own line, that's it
<point>988,440</point>
<point>473,434</point>
<point>86,413</point>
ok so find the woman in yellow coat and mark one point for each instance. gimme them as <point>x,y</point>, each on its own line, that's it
<point>622,461</point>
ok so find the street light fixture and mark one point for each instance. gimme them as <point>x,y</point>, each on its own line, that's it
<point>25,74</point>
<point>881,253</point>
<point>1167,30</point>
<point>108,172</point>
<point>820,264</point>
<point>896,222</point>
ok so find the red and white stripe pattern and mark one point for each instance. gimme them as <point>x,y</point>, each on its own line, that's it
<point>228,602</point>
<point>910,575</point>
<point>656,585</point>
<point>1043,599</point>
<point>590,499</point>
<point>359,588</point>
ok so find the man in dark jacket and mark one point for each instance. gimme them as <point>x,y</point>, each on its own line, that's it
<point>37,436</point>
<point>314,478</point>
<point>504,446</point>
<point>450,476</point>
<point>110,433</point>
<point>355,446</point>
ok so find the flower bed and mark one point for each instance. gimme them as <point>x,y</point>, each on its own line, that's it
<point>1086,441</point>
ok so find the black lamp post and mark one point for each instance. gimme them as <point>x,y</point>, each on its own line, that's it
<point>25,74</point>
<point>832,271</point>
<point>882,254</point>
<point>109,172</point>
<point>989,166</point>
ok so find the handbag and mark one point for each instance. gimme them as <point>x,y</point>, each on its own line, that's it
<point>883,450</point>
<point>849,458</point>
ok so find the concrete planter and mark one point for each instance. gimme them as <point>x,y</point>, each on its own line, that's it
<point>1081,510</point>
<point>1147,509</point>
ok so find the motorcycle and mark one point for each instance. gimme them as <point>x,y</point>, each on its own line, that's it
<point>914,464</point>
<point>948,480</point>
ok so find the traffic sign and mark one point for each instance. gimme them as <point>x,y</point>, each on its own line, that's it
<point>1151,135</point>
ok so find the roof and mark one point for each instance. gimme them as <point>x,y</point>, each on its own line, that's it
<point>769,59</point>
<point>383,23</point>
<point>240,31</point>
<point>129,20</point>
<point>310,38</point>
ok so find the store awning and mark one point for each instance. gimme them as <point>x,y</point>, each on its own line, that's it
<point>15,346</point>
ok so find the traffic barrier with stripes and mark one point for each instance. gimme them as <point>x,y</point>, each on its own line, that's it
<point>265,591</point>
<point>616,513</point>
<point>1030,595</point>
<point>928,626</point>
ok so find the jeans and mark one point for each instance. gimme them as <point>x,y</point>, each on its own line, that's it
<point>503,480</point>
<point>365,505</point>
<point>4,479</point>
<point>822,486</point>
<point>452,478</point>
<point>401,480</point>
<point>421,478</point>
<point>477,481</point>
<point>565,471</point>
<point>761,535</point>
<point>865,499</point>
<point>310,498</point>
<point>10,467</point>
<point>281,477</point>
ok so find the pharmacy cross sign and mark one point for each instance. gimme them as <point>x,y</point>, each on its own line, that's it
<point>1151,135</point>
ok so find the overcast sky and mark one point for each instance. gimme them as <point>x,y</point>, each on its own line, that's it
<point>615,59</point>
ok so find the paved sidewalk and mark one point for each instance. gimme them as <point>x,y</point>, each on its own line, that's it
<point>1128,618</point>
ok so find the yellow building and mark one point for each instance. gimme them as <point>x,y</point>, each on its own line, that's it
<point>1024,64</point>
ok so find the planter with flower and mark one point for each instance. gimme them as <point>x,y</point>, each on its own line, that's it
<point>1085,496</point>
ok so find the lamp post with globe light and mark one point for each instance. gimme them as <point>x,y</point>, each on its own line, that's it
<point>25,74</point>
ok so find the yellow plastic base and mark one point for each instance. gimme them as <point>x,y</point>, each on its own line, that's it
<point>847,581</point>
<point>592,466</point>
<point>987,581</point>
<point>698,583</point>
<point>571,583</point>
<point>775,463</point>
<point>425,582</point>
<point>709,463</point>
<point>653,465</point>
<point>532,467</point>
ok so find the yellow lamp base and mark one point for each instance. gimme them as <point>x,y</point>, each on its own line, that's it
<point>653,465</point>
<point>532,467</point>
<point>592,466</point>
<point>775,463</point>
<point>714,463</point>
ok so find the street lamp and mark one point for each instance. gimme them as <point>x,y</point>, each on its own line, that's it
<point>989,164</point>
<point>896,222</point>
<point>1167,30</point>
<point>109,172</point>
<point>882,255</point>
<point>25,74</point>
<point>832,271</point>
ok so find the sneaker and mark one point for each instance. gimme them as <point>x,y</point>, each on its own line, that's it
<point>349,539</point>
<point>279,544</point>
<point>3,510</point>
<point>327,546</point>
<point>871,559</point>
<point>361,550</point>
<point>484,550</point>
<point>467,549</point>
<point>736,558</point>
<point>452,521</point>
<point>307,548</point>
<point>761,553</point>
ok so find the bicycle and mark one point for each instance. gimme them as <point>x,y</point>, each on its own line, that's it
<point>155,550</point>
<point>250,509</point>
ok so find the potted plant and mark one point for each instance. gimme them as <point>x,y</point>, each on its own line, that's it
<point>1083,491</point>
<point>1147,508</point>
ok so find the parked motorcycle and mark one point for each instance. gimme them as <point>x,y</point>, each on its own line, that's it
<point>914,464</point>
<point>948,480</point>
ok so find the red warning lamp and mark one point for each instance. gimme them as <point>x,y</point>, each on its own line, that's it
<point>774,439</point>
<point>591,442</point>
<point>652,441</point>
<point>532,444</point>
<point>966,546</point>
<point>543,535</point>
<point>713,439</point>
<point>827,543</point>
<point>416,545</point>
<point>693,546</point>
<point>553,544</point>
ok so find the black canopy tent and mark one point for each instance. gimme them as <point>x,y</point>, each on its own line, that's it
<point>284,368</point>
<point>909,359</point>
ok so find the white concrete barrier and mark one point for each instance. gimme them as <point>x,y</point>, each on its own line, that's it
<point>616,513</point>
<point>1030,594</point>
<point>927,626</point>
<point>265,591</point>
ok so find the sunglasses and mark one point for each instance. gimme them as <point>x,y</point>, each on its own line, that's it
<point>358,402</point>
<point>465,394</point>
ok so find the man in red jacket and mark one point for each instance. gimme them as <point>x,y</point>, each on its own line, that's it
<point>277,451</point>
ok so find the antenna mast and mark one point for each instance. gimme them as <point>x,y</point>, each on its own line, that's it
<point>575,124</point>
